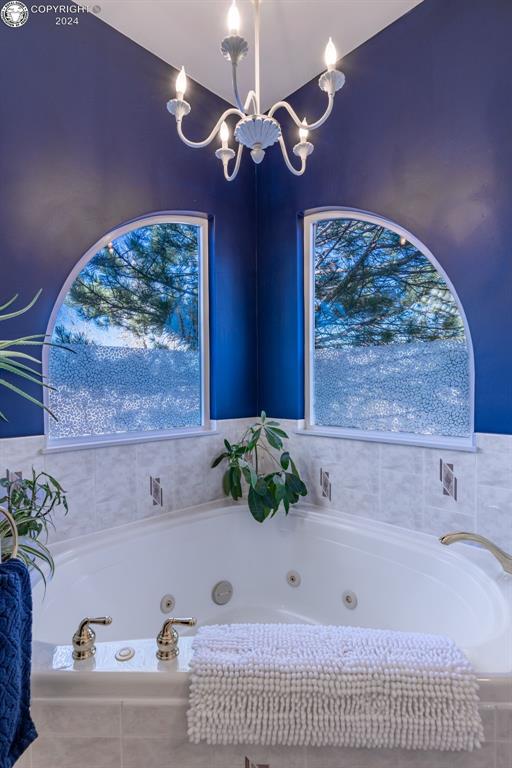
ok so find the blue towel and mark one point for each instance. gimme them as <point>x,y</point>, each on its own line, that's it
<point>17,731</point>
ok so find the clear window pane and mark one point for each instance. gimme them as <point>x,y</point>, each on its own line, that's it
<point>390,351</point>
<point>132,321</point>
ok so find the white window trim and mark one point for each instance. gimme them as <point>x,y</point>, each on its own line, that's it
<point>207,426</point>
<point>404,438</point>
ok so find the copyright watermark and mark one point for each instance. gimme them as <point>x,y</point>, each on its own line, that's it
<point>15,13</point>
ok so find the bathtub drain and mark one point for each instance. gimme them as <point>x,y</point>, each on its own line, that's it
<point>125,654</point>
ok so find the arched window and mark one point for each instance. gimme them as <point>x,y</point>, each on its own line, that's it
<point>388,350</point>
<point>133,319</point>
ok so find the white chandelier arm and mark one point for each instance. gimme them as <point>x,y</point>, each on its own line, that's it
<point>250,100</point>
<point>296,172</point>
<point>209,139</point>
<point>231,176</point>
<point>298,122</point>
<point>238,100</point>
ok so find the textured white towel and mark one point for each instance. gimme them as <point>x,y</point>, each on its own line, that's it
<point>295,684</point>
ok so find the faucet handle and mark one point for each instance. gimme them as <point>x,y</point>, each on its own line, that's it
<point>167,639</point>
<point>84,638</point>
<point>187,622</point>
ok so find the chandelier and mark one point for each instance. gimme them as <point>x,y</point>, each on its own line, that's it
<point>255,130</point>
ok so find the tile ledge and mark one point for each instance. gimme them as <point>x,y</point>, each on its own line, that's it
<point>134,439</point>
<point>466,445</point>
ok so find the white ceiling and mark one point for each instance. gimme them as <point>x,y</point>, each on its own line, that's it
<point>293,36</point>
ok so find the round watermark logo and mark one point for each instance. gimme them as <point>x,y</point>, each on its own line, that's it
<point>14,13</point>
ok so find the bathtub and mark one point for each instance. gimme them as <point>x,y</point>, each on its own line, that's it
<point>298,568</point>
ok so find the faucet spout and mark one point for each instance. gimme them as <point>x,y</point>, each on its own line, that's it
<point>503,558</point>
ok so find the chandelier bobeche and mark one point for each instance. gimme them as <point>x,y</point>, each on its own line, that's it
<point>255,130</point>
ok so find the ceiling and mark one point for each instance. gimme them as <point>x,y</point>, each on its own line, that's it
<point>293,36</point>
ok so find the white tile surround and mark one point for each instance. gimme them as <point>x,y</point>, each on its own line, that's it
<point>396,484</point>
<point>109,486</point>
<point>151,733</point>
<point>400,485</point>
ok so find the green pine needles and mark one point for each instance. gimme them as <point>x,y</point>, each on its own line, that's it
<point>273,479</point>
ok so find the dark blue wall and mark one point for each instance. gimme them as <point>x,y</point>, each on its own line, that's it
<point>422,134</point>
<point>86,144</point>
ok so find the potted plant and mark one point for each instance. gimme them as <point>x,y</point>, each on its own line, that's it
<point>32,502</point>
<point>269,471</point>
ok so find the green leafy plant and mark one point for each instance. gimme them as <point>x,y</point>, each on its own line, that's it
<point>279,483</point>
<point>17,362</point>
<point>31,502</point>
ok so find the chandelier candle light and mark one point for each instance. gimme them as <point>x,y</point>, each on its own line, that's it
<point>255,130</point>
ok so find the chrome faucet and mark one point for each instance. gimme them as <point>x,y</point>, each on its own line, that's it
<point>84,638</point>
<point>167,639</point>
<point>504,559</point>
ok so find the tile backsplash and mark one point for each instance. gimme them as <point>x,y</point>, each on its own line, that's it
<point>401,485</point>
<point>110,486</point>
<point>397,484</point>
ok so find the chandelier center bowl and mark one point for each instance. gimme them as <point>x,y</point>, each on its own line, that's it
<point>258,130</point>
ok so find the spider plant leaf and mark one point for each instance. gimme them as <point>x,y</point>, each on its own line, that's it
<point>24,341</point>
<point>30,562</point>
<point>21,355</point>
<point>41,552</point>
<point>32,341</point>
<point>9,303</point>
<point>30,374</point>
<point>21,311</point>
<point>17,371</point>
<point>15,365</point>
<point>18,391</point>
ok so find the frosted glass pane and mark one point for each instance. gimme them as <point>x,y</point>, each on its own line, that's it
<point>390,348</point>
<point>130,324</point>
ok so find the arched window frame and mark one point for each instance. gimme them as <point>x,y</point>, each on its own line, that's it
<point>207,426</point>
<point>309,427</point>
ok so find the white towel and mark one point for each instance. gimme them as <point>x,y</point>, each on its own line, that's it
<point>295,684</point>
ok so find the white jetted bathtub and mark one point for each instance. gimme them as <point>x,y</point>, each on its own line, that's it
<point>395,579</point>
<point>132,714</point>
